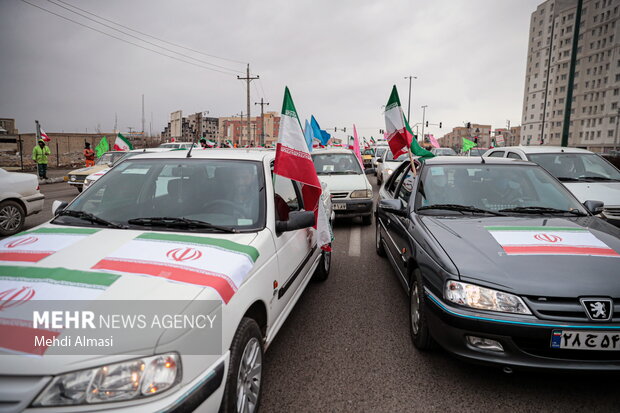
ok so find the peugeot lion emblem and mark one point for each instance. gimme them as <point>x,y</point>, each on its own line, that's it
<point>598,309</point>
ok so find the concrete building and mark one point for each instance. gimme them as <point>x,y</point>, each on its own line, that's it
<point>7,126</point>
<point>178,128</point>
<point>595,111</point>
<point>235,129</point>
<point>506,137</point>
<point>476,132</point>
<point>203,126</point>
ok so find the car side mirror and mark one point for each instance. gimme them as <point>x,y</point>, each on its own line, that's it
<point>369,171</point>
<point>380,160</point>
<point>393,206</point>
<point>595,207</point>
<point>58,206</point>
<point>296,220</point>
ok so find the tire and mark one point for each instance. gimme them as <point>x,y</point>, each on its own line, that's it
<point>79,188</point>
<point>378,179</point>
<point>367,219</point>
<point>379,240</point>
<point>322,270</point>
<point>246,351</point>
<point>12,217</point>
<point>418,324</point>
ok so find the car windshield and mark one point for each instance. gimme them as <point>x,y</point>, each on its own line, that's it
<point>336,164</point>
<point>576,166</point>
<point>476,151</point>
<point>110,157</point>
<point>379,152</point>
<point>493,187</point>
<point>444,151</point>
<point>221,192</point>
<point>368,152</point>
<point>389,157</point>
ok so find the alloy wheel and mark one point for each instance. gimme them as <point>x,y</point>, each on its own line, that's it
<point>249,377</point>
<point>10,218</point>
<point>415,309</point>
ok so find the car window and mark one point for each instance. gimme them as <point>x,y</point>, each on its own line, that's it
<point>285,198</point>
<point>379,152</point>
<point>406,187</point>
<point>497,154</point>
<point>369,152</point>
<point>336,164</point>
<point>581,166</point>
<point>389,157</point>
<point>514,155</point>
<point>493,187</point>
<point>393,184</point>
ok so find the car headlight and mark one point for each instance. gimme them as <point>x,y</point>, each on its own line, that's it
<point>362,193</point>
<point>72,177</point>
<point>389,171</point>
<point>115,382</point>
<point>483,298</point>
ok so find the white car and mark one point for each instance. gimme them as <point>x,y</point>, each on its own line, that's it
<point>134,152</point>
<point>178,145</point>
<point>351,193</point>
<point>19,198</point>
<point>386,165</point>
<point>587,175</point>
<point>443,152</point>
<point>379,152</point>
<point>216,232</point>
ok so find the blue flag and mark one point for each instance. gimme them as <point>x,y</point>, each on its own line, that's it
<point>325,137</point>
<point>308,135</point>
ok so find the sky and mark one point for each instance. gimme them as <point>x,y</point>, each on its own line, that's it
<point>338,58</point>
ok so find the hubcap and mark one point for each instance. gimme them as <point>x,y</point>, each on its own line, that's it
<point>415,309</point>
<point>249,377</point>
<point>10,218</point>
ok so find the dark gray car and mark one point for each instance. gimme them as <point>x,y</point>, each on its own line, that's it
<point>502,264</point>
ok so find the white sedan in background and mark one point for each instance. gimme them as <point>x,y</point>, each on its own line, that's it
<point>386,165</point>
<point>19,198</point>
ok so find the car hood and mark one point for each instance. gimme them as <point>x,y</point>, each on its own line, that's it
<point>82,255</point>
<point>607,192</point>
<point>479,257</point>
<point>339,183</point>
<point>89,170</point>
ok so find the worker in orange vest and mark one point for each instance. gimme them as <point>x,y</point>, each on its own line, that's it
<point>89,155</point>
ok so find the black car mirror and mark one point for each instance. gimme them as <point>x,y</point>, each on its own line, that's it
<point>393,206</point>
<point>296,220</point>
<point>58,206</point>
<point>595,207</point>
<point>379,160</point>
<point>369,171</point>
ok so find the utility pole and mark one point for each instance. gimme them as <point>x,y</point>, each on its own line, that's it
<point>409,104</point>
<point>571,76</point>
<point>423,116</point>
<point>616,136</point>
<point>262,121</point>
<point>115,123</point>
<point>248,79</point>
<point>143,134</point>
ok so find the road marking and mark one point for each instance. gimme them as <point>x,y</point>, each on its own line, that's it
<point>355,245</point>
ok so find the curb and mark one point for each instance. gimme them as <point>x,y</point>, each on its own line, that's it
<point>51,180</point>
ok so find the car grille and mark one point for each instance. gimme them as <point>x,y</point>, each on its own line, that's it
<point>336,195</point>
<point>612,212</point>
<point>17,392</point>
<point>564,309</point>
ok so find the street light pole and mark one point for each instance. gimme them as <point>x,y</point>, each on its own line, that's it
<point>423,117</point>
<point>409,103</point>
<point>616,136</point>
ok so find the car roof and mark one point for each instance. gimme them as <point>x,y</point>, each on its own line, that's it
<point>332,150</point>
<point>544,149</point>
<point>249,154</point>
<point>475,160</point>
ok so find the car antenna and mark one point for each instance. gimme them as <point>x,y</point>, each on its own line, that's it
<point>189,153</point>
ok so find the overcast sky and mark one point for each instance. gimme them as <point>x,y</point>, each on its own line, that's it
<point>339,58</point>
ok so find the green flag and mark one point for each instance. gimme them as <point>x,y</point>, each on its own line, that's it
<point>467,145</point>
<point>415,147</point>
<point>102,147</point>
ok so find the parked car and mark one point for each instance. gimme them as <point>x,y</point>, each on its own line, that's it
<point>178,145</point>
<point>367,156</point>
<point>387,164</point>
<point>502,264</point>
<point>218,231</point>
<point>351,193</point>
<point>77,177</point>
<point>586,174</point>
<point>19,198</point>
<point>134,152</point>
<point>443,152</point>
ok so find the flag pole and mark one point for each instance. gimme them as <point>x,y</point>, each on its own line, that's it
<point>411,156</point>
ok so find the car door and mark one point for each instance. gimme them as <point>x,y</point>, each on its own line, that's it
<point>514,155</point>
<point>294,249</point>
<point>400,225</point>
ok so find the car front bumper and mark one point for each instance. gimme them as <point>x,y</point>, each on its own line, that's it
<point>352,207</point>
<point>526,341</point>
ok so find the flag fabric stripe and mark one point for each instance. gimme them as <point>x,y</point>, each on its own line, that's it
<point>20,338</point>
<point>122,144</point>
<point>33,246</point>
<point>356,147</point>
<point>24,256</point>
<point>80,231</point>
<point>559,250</point>
<point>58,276</point>
<point>547,229</point>
<point>250,252</point>
<point>396,134</point>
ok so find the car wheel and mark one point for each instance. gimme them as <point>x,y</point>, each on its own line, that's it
<point>322,271</point>
<point>367,220</point>
<point>418,323</point>
<point>12,218</point>
<point>378,179</point>
<point>379,240</point>
<point>243,383</point>
<point>79,188</point>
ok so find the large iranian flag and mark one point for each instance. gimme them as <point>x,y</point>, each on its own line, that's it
<point>550,241</point>
<point>396,132</point>
<point>122,143</point>
<point>293,161</point>
<point>208,262</point>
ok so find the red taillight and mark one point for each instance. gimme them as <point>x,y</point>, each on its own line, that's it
<point>38,187</point>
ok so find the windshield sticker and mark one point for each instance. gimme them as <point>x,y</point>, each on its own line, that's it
<point>550,241</point>
<point>33,246</point>
<point>19,285</point>
<point>209,262</point>
<point>328,168</point>
<point>437,171</point>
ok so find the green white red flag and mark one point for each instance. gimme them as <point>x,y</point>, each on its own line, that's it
<point>122,143</point>
<point>399,139</point>
<point>293,161</point>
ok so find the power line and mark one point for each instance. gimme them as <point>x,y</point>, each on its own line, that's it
<point>124,40</point>
<point>145,41</point>
<point>151,36</point>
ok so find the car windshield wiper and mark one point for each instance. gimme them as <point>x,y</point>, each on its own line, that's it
<point>567,178</point>
<point>87,216</point>
<point>460,208</point>
<point>173,222</point>
<point>543,210</point>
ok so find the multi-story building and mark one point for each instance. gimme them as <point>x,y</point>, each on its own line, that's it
<point>476,133</point>
<point>507,137</point>
<point>203,126</point>
<point>7,126</point>
<point>178,128</point>
<point>595,111</point>
<point>235,129</point>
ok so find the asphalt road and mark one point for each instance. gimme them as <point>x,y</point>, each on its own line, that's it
<point>346,347</point>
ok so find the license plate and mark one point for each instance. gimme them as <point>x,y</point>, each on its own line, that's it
<point>339,206</point>
<point>586,340</point>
